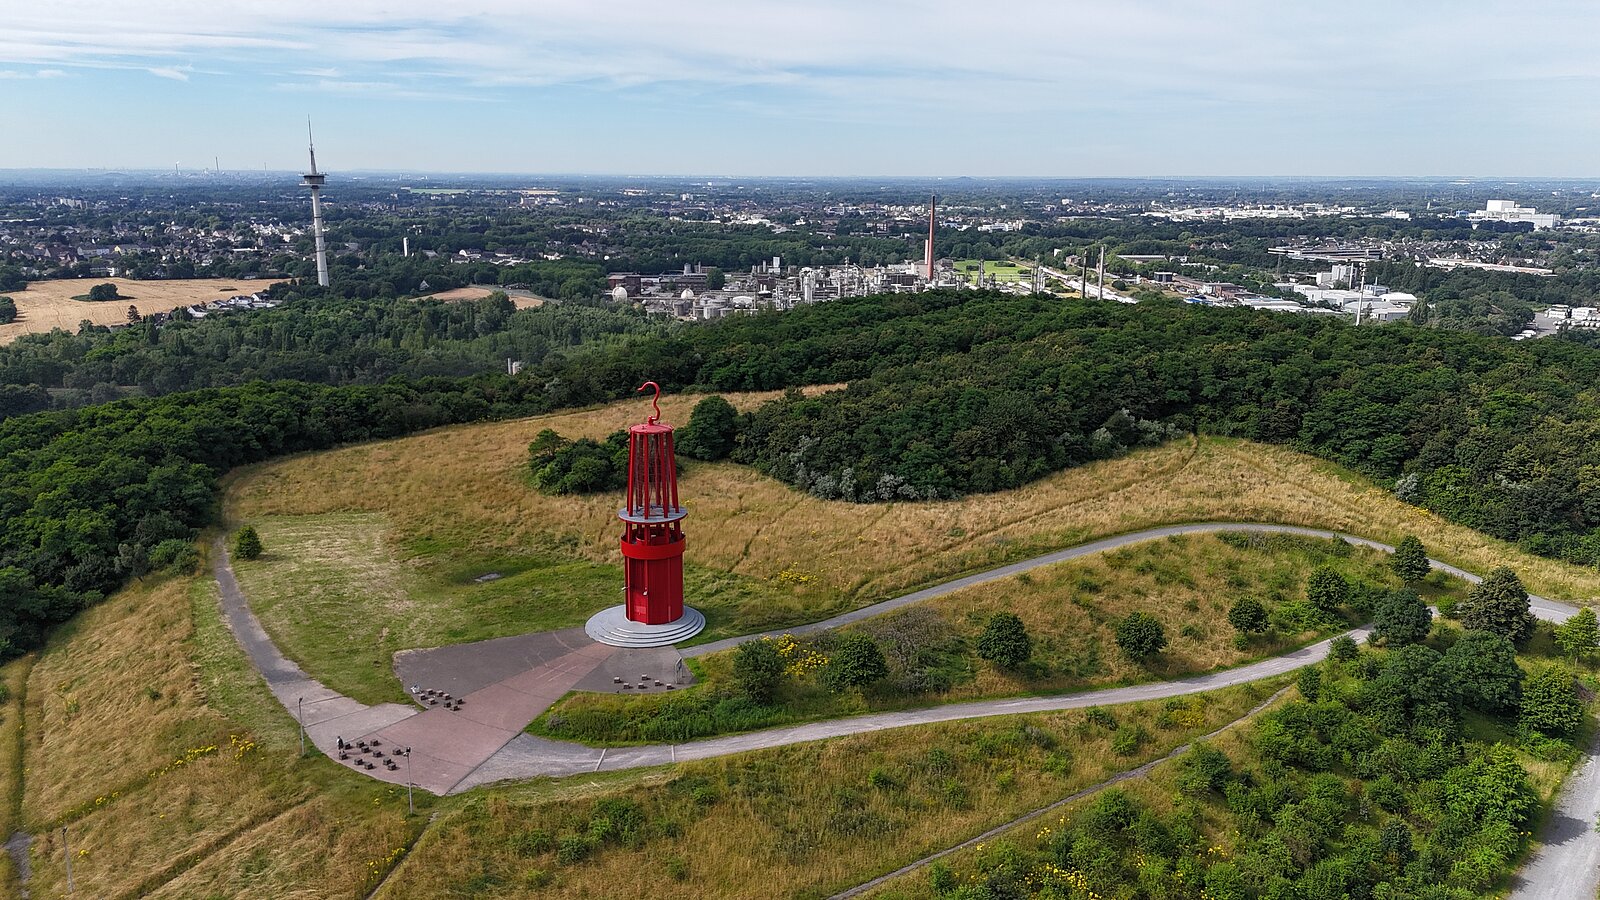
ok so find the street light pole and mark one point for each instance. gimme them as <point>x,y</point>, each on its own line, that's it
<point>300,716</point>
<point>410,806</point>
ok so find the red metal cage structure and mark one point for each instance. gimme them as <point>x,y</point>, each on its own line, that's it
<point>652,524</point>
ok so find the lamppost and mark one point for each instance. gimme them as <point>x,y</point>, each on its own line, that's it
<point>300,717</point>
<point>410,806</point>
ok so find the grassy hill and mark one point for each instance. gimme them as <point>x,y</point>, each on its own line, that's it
<point>142,731</point>
<point>374,548</point>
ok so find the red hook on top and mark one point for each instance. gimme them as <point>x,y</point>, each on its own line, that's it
<point>655,401</point>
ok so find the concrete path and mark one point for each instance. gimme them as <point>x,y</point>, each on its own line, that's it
<point>483,742</point>
<point>1566,866</point>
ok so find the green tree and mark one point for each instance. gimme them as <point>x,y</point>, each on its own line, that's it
<point>1005,641</point>
<point>857,661</point>
<point>1579,634</point>
<point>1401,618</point>
<point>246,543</point>
<point>1343,648</point>
<point>1550,704</point>
<point>1484,666</point>
<point>106,291</point>
<point>1310,683</point>
<point>715,279</point>
<point>8,310</point>
<point>1327,590</point>
<point>1410,560</point>
<point>174,555</point>
<point>712,430</point>
<point>1140,635</point>
<point>1248,616</point>
<point>758,669</point>
<point>1498,604</point>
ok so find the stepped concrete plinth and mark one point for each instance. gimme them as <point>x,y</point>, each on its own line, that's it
<point>612,626</point>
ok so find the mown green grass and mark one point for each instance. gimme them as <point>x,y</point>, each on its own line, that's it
<point>340,595</point>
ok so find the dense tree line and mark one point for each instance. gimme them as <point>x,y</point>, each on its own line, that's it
<point>329,341</point>
<point>951,393</point>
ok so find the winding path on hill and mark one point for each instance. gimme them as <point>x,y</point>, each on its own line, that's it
<point>452,753</point>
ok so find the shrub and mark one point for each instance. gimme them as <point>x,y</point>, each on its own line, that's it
<point>174,555</point>
<point>1102,717</point>
<point>1005,641</point>
<point>881,779</point>
<point>1402,618</point>
<point>1410,560</point>
<point>1498,604</point>
<point>246,543</point>
<point>1550,705</point>
<point>1248,616</point>
<point>1204,768</point>
<point>8,311</point>
<point>712,430</point>
<point>1310,683</point>
<point>573,848</point>
<point>1579,634</point>
<point>1328,591</point>
<point>1343,648</point>
<point>1127,741</point>
<point>942,879</point>
<point>583,466</point>
<point>758,669</point>
<point>856,662</point>
<point>1140,635</point>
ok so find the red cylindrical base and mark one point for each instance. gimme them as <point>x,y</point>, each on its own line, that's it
<point>654,580</point>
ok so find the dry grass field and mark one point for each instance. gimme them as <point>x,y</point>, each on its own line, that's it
<point>48,305</point>
<point>173,769</point>
<point>520,299</point>
<point>794,822</point>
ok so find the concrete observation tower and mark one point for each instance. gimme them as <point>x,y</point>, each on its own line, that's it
<point>653,614</point>
<point>314,179</point>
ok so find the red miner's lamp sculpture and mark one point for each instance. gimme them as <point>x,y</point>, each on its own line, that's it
<point>653,613</point>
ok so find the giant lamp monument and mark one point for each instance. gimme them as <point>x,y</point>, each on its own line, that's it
<point>652,614</point>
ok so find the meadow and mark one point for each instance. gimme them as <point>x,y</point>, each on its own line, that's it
<point>48,305</point>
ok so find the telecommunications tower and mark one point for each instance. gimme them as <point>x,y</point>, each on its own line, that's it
<point>933,219</point>
<point>652,613</point>
<point>314,180</point>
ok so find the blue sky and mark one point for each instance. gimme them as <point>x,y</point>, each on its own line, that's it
<point>826,87</point>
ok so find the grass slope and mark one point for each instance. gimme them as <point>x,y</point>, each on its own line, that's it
<point>174,770</point>
<point>800,821</point>
<point>444,507</point>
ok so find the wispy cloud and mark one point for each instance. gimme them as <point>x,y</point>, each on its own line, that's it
<point>171,72</point>
<point>32,76</point>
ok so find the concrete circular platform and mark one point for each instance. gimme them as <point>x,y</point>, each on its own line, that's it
<point>612,626</point>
